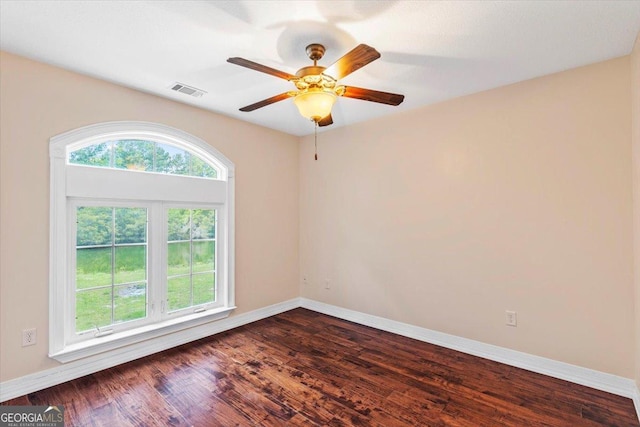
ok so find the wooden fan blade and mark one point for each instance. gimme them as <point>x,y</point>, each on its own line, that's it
<point>262,68</point>
<point>357,58</point>
<point>266,102</point>
<point>326,121</point>
<point>373,95</point>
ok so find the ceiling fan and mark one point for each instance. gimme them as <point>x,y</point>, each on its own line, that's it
<point>317,87</point>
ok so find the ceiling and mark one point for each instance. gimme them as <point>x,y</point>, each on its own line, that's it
<point>431,50</point>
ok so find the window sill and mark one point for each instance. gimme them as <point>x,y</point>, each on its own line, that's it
<point>121,339</point>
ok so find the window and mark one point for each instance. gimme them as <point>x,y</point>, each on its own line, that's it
<point>142,155</point>
<point>191,249</point>
<point>141,236</point>
<point>111,266</point>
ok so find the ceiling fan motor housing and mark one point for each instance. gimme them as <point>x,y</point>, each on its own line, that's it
<point>311,70</point>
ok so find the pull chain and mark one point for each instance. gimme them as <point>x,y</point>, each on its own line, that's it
<point>315,138</point>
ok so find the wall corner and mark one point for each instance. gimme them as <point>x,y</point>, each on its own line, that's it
<point>635,156</point>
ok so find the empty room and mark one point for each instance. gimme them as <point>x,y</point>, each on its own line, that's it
<point>319,213</point>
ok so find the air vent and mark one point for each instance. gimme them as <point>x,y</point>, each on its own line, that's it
<point>191,91</point>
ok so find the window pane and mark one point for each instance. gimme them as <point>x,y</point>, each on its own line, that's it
<point>131,264</point>
<point>179,258</point>
<point>114,261</point>
<point>204,255</point>
<point>131,225</point>
<point>134,154</point>
<point>93,308</point>
<point>93,267</point>
<point>179,224</point>
<point>203,288</point>
<point>193,258</point>
<point>200,168</point>
<point>203,223</point>
<point>141,155</point>
<point>179,292</point>
<point>130,302</point>
<point>93,155</point>
<point>94,226</point>
<point>172,160</point>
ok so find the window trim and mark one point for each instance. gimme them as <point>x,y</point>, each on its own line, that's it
<point>60,268</point>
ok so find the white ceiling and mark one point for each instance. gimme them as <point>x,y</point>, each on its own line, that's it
<point>431,50</point>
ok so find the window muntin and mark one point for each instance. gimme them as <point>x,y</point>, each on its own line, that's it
<point>191,258</point>
<point>110,266</point>
<point>143,155</point>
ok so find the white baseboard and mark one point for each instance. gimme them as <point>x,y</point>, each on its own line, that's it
<point>588,377</point>
<point>636,401</point>
<point>72,370</point>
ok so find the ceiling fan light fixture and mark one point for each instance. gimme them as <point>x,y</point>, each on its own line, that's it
<point>315,103</point>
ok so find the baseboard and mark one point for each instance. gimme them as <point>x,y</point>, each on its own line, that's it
<point>72,370</point>
<point>588,377</point>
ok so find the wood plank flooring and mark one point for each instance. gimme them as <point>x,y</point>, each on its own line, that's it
<point>302,368</point>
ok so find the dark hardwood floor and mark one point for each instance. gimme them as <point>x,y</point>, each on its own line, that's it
<point>308,369</point>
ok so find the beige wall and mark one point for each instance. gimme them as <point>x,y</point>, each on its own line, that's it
<point>516,198</point>
<point>38,102</point>
<point>635,115</point>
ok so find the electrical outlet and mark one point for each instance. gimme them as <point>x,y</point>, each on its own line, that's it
<point>511,318</point>
<point>29,337</point>
<point>327,284</point>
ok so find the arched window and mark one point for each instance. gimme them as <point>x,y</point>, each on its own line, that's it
<point>141,236</point>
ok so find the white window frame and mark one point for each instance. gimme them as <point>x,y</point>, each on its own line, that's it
<point>70,183</point>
